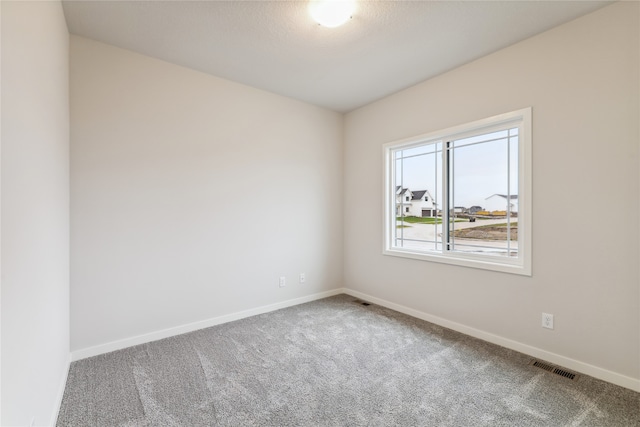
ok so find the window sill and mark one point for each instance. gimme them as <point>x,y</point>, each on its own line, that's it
<point>470,261</point>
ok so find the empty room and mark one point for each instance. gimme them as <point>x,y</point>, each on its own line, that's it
<point>320,213</point>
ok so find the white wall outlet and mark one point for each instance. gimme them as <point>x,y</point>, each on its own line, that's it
<point>283,281</point>
<point>547,320</point>
<point>303,278</point>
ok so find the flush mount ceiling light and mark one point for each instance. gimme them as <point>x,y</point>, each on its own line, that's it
<point>331,13</point>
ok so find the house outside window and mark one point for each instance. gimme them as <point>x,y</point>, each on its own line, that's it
<point>469,189</point>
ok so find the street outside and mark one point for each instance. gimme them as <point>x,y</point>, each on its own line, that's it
<point>418,233</point>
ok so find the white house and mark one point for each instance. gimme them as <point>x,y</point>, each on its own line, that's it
<point>498,202</point>
<point>422,204</point>
<point>415,203</point>
<point>403,201</point>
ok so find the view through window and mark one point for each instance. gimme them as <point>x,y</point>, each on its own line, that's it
<point>459,194</point>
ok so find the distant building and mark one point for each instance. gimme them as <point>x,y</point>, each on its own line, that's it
<point>501,202</point>
<point>415,203</point>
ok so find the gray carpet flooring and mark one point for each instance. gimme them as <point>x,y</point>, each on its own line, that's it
<point>332,362</point>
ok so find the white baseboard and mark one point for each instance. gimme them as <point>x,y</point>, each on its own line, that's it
<point>60,395</point>
<point>576,365</point>
<point>190,327</point>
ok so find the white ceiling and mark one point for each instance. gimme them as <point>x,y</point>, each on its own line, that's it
<point>275,46</point>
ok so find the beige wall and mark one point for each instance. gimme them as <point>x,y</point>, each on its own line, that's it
<point>35,211</point>
<point>582,81</point>
<point>191,195</point>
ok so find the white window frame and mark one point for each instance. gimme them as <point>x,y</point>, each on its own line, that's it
<point>520,265</point>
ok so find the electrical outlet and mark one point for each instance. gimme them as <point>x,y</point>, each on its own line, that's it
<point>303,278</point>
<point>283,281</point>
<point>547,320</point>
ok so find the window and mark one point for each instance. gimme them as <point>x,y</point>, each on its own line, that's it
<point>478,177</point>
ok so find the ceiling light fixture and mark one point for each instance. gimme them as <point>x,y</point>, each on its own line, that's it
<point>331,13</point>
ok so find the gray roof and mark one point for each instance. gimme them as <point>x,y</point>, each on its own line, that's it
<point>417,195</point>
<point>404,190</point>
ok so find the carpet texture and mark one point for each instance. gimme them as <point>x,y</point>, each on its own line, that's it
<point>332,362</point>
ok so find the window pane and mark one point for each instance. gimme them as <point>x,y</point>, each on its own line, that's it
<point>513,168</point>
<point>418,189</point>
<point>483,195</point>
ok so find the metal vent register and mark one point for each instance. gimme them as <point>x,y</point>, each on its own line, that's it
<point>554,369</point>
